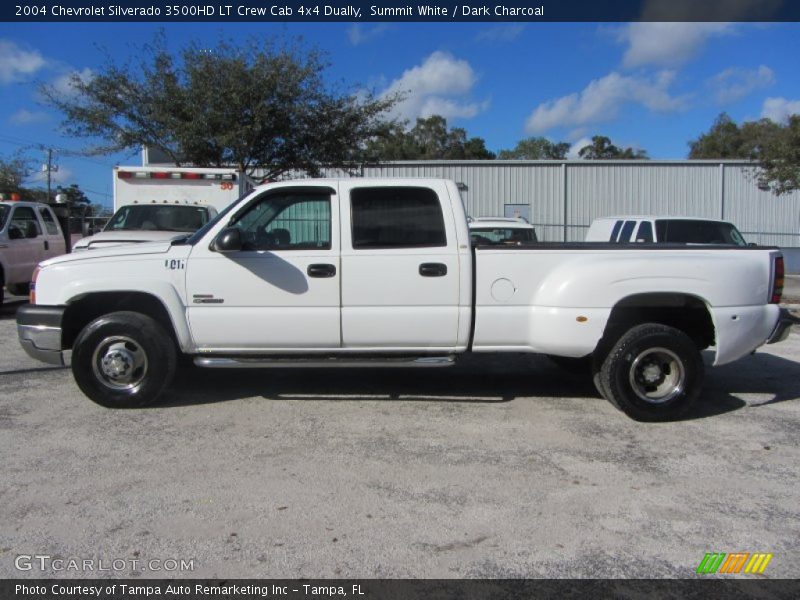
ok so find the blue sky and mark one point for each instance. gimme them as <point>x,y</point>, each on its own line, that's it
<point>649,85</point>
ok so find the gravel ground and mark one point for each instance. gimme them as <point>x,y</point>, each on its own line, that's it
<point>499,467</point>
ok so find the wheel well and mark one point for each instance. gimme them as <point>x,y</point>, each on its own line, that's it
<point>83,311</point>
<point>681,311</point>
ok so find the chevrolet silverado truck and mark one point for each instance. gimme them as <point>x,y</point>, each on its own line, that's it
<point>360,272</point>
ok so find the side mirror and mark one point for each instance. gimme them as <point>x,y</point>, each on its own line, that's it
<point>228,240</point>
<point>15,233</point>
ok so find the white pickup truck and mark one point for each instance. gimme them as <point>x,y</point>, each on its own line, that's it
<point>382,273</point>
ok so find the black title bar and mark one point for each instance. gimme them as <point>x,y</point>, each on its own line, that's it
<point>425,11</point>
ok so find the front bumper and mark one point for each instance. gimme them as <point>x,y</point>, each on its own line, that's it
<point>782,327</point>
<point>39,331</point>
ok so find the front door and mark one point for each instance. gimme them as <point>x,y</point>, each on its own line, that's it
<point>280,293</point>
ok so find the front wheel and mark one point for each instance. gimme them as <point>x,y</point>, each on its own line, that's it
<point>123,360</point>
<point>653,373</point>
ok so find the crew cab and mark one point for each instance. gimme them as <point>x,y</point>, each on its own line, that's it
<point>345,272</point>
<point>664,230</point>
<point>29,234</point>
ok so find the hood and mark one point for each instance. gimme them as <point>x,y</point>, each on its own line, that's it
<point>106,239</point>
<point>115,250</point>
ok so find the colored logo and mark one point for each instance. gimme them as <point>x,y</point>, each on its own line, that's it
<point>737,562</point>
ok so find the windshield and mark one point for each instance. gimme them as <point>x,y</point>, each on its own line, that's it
<point>4,210</point>
<point>156,217</point>
<point>501,235</point>
<point>685,231</point>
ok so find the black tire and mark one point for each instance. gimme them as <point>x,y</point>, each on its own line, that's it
<point>653,373</point>
<point>576,366</point>
<point>19,289</point>
<point>123,360</point>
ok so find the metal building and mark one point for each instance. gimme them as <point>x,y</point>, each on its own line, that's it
<point>561,198</point>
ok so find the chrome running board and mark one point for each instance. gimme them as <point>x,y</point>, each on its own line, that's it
<point>219,362</point>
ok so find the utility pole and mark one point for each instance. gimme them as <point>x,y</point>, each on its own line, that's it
<point>49,168</point>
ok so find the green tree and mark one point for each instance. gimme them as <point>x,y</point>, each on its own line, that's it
<point>254,104</point>
<point>774,147</point>
<point>778,154</point>
<point>602,148</point>
<point>79,204</point>
<point>536,148</point>
<point>724,140</point>
<point>13,172</point>
<point>429,139</point>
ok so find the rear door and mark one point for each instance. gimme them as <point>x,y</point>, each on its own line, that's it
<point>400,267</point>
<point>54,243</point>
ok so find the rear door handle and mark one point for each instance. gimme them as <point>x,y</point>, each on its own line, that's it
<point>321,270</point>
<point>433,270</point>
<point>46,245</point>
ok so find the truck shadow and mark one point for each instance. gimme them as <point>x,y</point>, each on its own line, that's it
<point>8,310</point>
<point>488,380</point>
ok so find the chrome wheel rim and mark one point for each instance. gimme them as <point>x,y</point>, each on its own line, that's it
<point>120,363</point>
<point>657,375</point>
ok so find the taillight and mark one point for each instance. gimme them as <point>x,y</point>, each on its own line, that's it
<point>32,297</point>
<point>777,287</point>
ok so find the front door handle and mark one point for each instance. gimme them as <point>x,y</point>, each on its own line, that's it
<point>321,270</point>
<point>433,270</point>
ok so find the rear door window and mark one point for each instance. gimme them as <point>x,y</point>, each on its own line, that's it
<point>396,217</point>
<point>49,221</point>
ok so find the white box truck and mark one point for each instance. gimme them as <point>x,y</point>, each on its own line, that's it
<point>153,204</point>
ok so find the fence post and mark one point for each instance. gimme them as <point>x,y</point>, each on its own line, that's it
<point>564,197</point>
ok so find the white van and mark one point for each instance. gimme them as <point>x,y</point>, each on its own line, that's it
<point>514,231</point>
<point>29,234</point>
<point>664,230</point>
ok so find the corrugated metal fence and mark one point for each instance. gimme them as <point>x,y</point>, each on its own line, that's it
<point>565,196</point>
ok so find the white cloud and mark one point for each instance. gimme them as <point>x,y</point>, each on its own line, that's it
<point>63,175</point>
<point>359,34</point>
<point>574,150</point>
<point>734,83</point>
<point>62,84</point>
<point>507,32</point>
<point>780,109</point>
<point>602,100</point>
<point>26,117</point>
<point>440,85</point>
<point>17,62</point>
<point>666,44</point>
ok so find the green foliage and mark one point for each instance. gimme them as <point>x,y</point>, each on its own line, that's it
<point>429,139</point>
<point>13,171</point>
<point>775,147</point>
<point>779,157</point>
<point>536,148</point>
<point>602,148</point>
<point>252,104</point>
